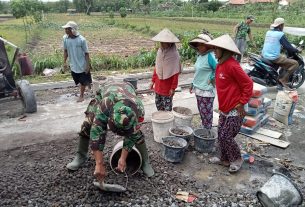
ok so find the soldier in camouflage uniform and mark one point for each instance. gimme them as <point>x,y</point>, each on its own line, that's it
<point>241,31</point>
<point>117,106</point>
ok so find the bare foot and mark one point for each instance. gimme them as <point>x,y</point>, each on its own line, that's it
<point>80,99</point>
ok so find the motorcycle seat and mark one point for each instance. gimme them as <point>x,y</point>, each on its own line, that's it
<point>268,62</point>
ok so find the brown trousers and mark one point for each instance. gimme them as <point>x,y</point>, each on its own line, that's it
<point>289,65</point>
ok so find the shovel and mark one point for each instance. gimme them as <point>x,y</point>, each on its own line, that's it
<point>109,187</point>
<point>112,187</point>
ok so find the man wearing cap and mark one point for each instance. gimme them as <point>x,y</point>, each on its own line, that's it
<point>275,38</point>
<point>240,32</point>
<point>204,78</point>
<point>76,49</point>
<point>116,106</point>
<point>234,89</point>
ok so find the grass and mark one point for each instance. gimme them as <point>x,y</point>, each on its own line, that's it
<point>115,44</point>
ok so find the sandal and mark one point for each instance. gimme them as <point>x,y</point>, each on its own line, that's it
<point>216,160</point>
<point>236,165</point>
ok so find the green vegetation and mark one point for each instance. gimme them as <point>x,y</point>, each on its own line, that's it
<point>110,37</point>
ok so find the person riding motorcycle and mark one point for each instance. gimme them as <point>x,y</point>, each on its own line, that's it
<point>275,38</point>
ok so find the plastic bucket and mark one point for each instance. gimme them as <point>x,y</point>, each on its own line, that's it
<point>278,191</point>
<point>133,161</point>
<point>98,81</point>
<point>132,81</point>
<point>183,116</point>
<point>174,148</point>
<point>184,132</point>
<point>162,121</point>
<point>204,139</point>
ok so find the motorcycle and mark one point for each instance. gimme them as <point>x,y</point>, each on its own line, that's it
<point>264,72</point>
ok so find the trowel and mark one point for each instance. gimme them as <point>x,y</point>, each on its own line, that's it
<point>109,187</point>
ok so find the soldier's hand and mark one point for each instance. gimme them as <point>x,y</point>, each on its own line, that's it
<point>121,165</point>
<point>100,172</point>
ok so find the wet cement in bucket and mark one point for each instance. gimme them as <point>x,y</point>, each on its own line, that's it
<point>182,110</point>
<point>178,131</point>
<point>133,161</point>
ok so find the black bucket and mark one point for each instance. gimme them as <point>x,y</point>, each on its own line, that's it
<point>184,132</point>
<point>132,81</point>
<point>204,139</point>
<point>174,148</point>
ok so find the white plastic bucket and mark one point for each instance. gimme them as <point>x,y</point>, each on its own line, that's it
<point>162,121</point>
<point>98,81</point>
<point>183,116</point>
<point>133,161</point>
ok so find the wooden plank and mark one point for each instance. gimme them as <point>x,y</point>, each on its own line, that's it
<point>269,133</point>
<point>272,141</point>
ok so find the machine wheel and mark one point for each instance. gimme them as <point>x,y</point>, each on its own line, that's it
<point>298,80</point>
<point>27,95</point>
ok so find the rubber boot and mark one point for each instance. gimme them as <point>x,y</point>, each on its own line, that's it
<point>146,167</point>
<point>81,155</point>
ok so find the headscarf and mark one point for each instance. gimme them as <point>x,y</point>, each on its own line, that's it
<point>167,62</point>
<point>226,54</point>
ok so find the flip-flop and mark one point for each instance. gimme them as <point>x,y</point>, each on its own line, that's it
<point>235,166</point>
<point>216,160</point>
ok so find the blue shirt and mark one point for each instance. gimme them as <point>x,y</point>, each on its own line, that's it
<point>272,46</point>
<point>76,48</point>
<point>204,71</point>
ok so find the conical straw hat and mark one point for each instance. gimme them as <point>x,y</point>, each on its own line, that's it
<point>225,42</point>
<point>202,38</point>
<point>165,36</point>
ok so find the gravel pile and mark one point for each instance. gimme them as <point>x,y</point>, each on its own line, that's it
<point>36,176</point>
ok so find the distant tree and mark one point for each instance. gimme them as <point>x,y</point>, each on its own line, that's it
<point>29,10</point>
<point>146,2</point>
<point>88,4</point>
<point>62,6</point>
<point>214,5</point>
<point>123,12</point>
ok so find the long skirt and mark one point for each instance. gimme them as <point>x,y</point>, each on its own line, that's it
<point>164,103</point>
<point>228,128</point>
<point>205,108</point>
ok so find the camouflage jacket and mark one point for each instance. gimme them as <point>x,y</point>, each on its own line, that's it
<point>99,111</point>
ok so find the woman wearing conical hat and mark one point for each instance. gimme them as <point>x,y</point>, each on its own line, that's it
<point>203,84</point>
<point>165,77</point>
<point>234,89</point>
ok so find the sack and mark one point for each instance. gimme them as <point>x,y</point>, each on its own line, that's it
<point>284,106</point>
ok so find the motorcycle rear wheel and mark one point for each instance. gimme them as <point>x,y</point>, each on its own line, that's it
<point>298,80</point>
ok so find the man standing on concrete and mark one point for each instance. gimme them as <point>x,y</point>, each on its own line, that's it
<point>76,49</point>
<point>275,38</point>
<point>240,33</point>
